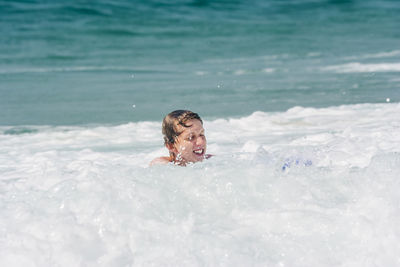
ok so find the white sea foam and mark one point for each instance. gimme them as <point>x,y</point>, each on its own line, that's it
<point>238,72</point>
<point>360,67</point>
<point>305,187</point>
<point>376,55</point>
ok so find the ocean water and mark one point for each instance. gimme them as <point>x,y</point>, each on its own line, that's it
<point>300,102</point>
<point>120,61</point>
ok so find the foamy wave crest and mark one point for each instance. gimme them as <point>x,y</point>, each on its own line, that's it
<point>359,67</point>
<point>238,72</point>
<point>376,55</point>
<point>305,187</point>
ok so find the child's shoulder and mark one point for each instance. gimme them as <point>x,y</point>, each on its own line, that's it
<point>160,160</point>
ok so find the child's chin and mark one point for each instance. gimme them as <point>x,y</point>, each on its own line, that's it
<point>198,158</point>
<point>194,158</point>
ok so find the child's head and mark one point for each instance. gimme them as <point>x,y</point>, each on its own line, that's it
<point>184,136</point>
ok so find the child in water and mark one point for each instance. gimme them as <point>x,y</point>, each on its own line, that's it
<point>184,138</point>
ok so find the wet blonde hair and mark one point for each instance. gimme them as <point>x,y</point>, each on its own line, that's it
<point>171,122</point>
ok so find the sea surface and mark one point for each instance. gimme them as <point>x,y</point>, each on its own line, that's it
<point>300,102</point>
<point>80,62</point>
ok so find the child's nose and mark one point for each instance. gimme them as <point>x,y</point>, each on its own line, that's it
<point>200,140</point>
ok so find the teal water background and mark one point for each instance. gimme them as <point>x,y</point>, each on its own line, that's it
<point>111,62</point>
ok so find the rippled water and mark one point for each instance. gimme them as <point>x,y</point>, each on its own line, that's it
<point>76,63</point>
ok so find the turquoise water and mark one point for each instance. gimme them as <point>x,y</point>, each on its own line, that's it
<point>112,62</point>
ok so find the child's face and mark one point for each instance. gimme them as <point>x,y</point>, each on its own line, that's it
<point>191,144</point>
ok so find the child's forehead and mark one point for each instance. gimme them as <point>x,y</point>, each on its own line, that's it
<point>192,126</point>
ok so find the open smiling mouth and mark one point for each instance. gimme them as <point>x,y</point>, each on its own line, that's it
<point>199,152</point>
